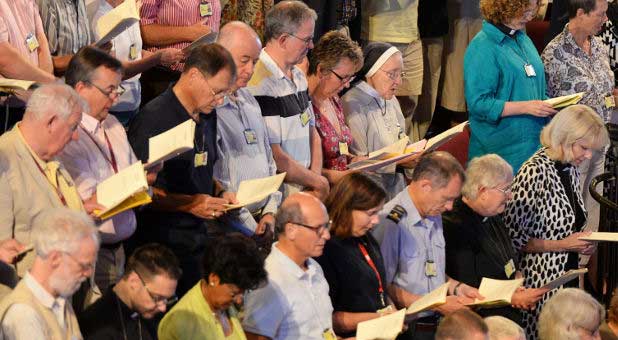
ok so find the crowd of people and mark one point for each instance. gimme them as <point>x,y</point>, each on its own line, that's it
<point>290,91</point>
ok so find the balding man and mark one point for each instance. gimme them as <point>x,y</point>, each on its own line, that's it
<point>295,302</point>
<point>462,325</point>
<point>66,244</point>
<point>241,133</point>
<point>30,177</point>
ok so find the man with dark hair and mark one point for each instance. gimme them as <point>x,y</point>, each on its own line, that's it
<point>412,242</point>
<point>187,200</point>
<point>146,289</point>
<point>462,325</point>
<point>102,149</point>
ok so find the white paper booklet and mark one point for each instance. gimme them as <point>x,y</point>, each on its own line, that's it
<point>255,190</point>
<point>497,292</point>
<point>432,299</point>
<point>386,327</point>
<point>7,84</point>
<point>118,189</point>
<point>566,277</point>
<point>601,236</point>
<point>117,21</point>
<point>171,143</point>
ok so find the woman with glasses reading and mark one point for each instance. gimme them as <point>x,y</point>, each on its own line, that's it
<point>351,261</point>
<point>373,113</point>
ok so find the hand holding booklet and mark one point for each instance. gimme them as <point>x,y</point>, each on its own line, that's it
<point>564,101</point>
<point>600,236</point>
<point>255,190</point>
<point>386,327</point>
<point>564,278</point>
<point>430,300</point>
<point>117,21</point>
<point>10,85</point>
<point>171,143</point>
<point>496,292</point>
<point>125,190</point>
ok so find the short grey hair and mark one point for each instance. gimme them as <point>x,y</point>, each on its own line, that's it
<point>61,229</point>
<point>486,171</point>
<point>438,167</point>
<point>288,212</point>
<point>55,98</point>
<point>286,17</point>
<point>569,307</point>
<point>501,328</point>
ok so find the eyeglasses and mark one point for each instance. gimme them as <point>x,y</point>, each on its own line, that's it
<point>112,94</point>
<point>307,40</point>
<point>343,80</point>
<point>394,75</point>
<point>217,95</point>
<point>158,300</point>
<point>84,267</point>
<point>506,191</point>
<point>318,230</point>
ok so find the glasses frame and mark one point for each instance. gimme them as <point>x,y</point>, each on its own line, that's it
<point>158,300</point>
<point>117,92</point>
<point>343,80</point>
<point>392,77</point>
<point>307,41</point>
<point>318,230</point>
<point>217,95</point>
<point>82,267</point>
<point>506,191</point>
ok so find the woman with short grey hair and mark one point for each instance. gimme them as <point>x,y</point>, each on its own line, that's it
<point>501,328</point>
<point>571,314</point>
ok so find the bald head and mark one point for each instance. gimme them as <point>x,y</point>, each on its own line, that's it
<point>298,207</point>
<point>244,45</point>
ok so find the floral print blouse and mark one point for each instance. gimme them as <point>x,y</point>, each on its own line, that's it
<point>333,159</point>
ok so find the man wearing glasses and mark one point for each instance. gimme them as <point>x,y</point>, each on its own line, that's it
<point>295,303</point>
<point>66,244</point>
<point>101,150</point>
<point>146,289</point>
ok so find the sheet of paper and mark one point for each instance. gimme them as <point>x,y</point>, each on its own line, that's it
<point>386,159</point>
<point>383,328</point>
<point>601,236</point>
<point>563,101</point>
<point>434,298</point>
<point>117,21</point>
<point>436,141</point>
<point>15,84</point>
<point>566,277</point>
<point>396,148</point>
<point>121,186</point>
<point>497,292</point>
<point>255,190</point>
<point>171,143</point>
<point>208,38</point>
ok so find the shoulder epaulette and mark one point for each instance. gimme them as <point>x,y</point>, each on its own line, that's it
<point>397,213</point>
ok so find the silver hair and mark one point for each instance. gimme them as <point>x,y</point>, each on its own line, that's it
<point>54,99</point>
<point>286,17</point>
<point>61,229</point>
<point>501,328</point>
<point>567,310</point>
<point>486,171</point>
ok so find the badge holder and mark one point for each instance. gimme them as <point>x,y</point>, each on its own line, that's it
<point>529,70</point>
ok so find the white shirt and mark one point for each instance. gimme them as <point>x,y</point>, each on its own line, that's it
<point>293,305</point>
<point>88,161</point>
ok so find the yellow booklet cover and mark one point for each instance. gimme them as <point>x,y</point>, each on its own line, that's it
<point>564,101</point>
<point>125,190</point>
<point>10,85</point>
<point>432,299</point>
<point>496,292</point>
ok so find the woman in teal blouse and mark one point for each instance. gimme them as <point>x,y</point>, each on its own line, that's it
<point>505,84</point>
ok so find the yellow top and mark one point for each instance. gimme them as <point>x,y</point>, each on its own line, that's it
<point>398,26</point>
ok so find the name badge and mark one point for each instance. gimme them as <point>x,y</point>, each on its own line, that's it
<point>529,70</point>
<point>32,42</point>
<point>343,148</point>
<point>200,159</point>
<point>329,334</point>
<point>133,52</point>
<point>304,118</point>
<point>205,9</point>
<point>250,136</point>
<point>509,268</point>
<point>430,268</point>
<point>610,102</point>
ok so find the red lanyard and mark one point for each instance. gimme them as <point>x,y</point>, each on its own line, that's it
<point>111,161</point>
<point>58,192</point>
<point>375,269</point>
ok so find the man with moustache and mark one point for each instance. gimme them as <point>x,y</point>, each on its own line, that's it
<point>66,244</point>
<point>295,303</point>
<point>242,136</point>
<point>280,88</point>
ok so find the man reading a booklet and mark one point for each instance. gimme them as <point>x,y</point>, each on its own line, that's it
<point>412,242</point>
<point>187,200</point>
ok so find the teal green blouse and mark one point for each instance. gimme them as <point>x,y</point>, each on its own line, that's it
<point>494,74</point>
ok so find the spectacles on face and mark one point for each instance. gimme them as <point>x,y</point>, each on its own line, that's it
<point>342,79</point>
<point>394,75</point>
<point>112,94</point>
<point>84,267</point>
<point>506,191</point>
<point>157,299</point>
<point>217,95</point>
<point>307,41</point>
<point>318,230</point>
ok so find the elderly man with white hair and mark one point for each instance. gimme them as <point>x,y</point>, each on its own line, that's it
<point>66,244</point>
<point>501,328</point>
<point>31,180</point>
<point>571,314</point>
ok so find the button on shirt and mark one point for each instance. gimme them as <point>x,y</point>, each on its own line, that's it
<point>243,160</point>
<point>407,245</point>
<point>88,160</point>
<point>66,25</point>
<point>293,305</point>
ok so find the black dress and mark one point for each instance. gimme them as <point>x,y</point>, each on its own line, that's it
<point>478,247</point>
<point>353,284</point>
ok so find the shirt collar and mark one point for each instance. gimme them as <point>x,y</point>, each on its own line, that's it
<point>272,66</point>
<point>291,266</point>
<point>568,39</point>
<point>42,164</point>
<point>413,217</point>
<point>90,124</point>
<point>43,296</point>
<point>496,34</point>
<point>365,87</point>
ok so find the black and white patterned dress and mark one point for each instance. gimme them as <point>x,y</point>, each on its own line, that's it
<point>541,209</point>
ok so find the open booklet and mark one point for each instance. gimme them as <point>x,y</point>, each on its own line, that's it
<point>10,85</point>
<point>564,101</point>
<point>207,38</point>
<point>566,277</point>
<point>386,327</point>
<point>600,236</point>
<point>116,21</point>
<point>255,190</point>
<point>432,299</point>
<point>497,293</point>
<point>125,190</point>
<point>171,143</point>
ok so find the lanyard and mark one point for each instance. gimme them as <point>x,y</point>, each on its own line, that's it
<point>375,269</point>
<point>112,160</point>
<point>58,192</point>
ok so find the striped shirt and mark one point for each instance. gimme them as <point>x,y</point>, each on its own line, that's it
<point>178,13</point>
<point>244,159</point>
<point>66,25</point>
<point>19,19</point>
